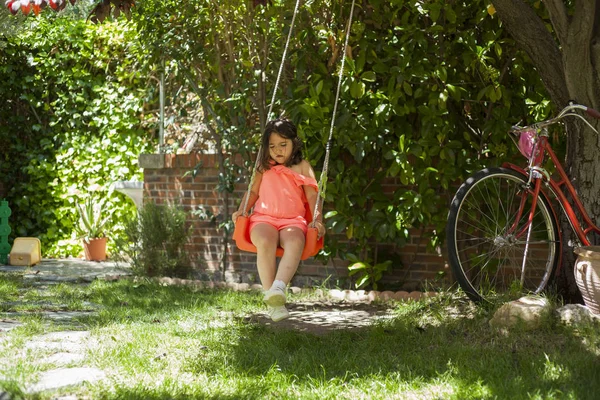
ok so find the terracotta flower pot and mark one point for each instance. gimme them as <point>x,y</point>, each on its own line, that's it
<point>587,276</point>
<point>95,249</point>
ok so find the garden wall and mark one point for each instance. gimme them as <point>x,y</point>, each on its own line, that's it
<point>166,182</point>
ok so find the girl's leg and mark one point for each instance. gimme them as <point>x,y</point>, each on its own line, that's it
<point>266,239</point>
<point>292,241</point>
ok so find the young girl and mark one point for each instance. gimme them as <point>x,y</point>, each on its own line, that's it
<point>282,184</point>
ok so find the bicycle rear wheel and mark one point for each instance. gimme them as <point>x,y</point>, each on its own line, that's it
<point>486,251</point>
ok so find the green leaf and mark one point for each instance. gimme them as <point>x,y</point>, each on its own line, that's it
<point>407,88</point>
<point>362,281</point>
<point>357,89</point>
<point>368,76</point>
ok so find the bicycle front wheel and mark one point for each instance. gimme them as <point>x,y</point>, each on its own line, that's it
<point>493,252</point>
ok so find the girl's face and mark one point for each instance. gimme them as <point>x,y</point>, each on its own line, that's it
<point>280,148</point>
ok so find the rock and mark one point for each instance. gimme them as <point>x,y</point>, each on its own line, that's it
<point>373,295</point>
<point>576,314</point>
<point>65,377</point>
<point>337,294</point>
<point>165,280</point>
<point>386,295</point>
<point>8,325</point>
<point>198,284</point>
<point>362,295</point>
<point>295,290</point>
<point>415,295</point>
<point>527,312</point>
<point>351,295</point>
<point>401,295</point>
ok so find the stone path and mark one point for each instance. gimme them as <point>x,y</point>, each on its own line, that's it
<point>66,349</point>
<point>51,271</point>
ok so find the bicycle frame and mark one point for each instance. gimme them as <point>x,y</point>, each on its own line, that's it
<point>503,222</point>
<point>537,175</point>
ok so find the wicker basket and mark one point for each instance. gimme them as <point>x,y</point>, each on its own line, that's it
<point>587,276</point>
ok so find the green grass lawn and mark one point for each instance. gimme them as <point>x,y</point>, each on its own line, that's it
<point>168,342</point>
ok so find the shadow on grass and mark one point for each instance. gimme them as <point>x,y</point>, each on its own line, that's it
<point>466,354</point>
<point>420,349</point>
<point>103,303</point>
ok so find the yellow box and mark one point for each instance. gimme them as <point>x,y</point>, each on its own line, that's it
<point>25,251</point>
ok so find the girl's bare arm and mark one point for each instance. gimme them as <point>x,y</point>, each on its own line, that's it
<point>311,197</point>
<point>252,199</point>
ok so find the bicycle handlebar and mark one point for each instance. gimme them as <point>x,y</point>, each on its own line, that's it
<point>565,112</point>
<point>593,113</point>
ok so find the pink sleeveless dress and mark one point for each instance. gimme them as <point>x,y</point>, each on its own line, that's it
<point>281,199</point>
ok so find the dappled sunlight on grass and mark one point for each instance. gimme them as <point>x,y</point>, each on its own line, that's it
<point>157,341</point>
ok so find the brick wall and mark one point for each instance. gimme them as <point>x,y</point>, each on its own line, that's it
<point>165,183</point>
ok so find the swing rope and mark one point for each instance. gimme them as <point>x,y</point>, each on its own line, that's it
<point>323,178</point>
<point>260,149</point>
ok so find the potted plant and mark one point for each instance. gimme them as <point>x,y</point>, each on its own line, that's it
<point>91,229</point>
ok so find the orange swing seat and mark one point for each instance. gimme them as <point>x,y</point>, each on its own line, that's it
<point>241,235</point>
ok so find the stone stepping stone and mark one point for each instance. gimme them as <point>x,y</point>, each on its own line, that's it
<point>53,271</point>
<point>62,377</point>
<point>8,325</point>
<point>56,316</point>
<point>68,341</point>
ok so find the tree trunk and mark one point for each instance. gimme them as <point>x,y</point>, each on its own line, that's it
<point>569,66</point>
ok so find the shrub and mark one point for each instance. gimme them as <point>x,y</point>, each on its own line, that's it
<point>155,241</point>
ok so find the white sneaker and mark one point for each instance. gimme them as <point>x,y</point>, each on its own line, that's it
<point>278,313</point>
<point>274,297</point>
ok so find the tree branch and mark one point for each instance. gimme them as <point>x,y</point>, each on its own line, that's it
<point>578,53</point>
<point>529,31</point>
<point>558,16</point>
<point>595,49</point>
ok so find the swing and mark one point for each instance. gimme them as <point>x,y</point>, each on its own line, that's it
<point>312,244</point>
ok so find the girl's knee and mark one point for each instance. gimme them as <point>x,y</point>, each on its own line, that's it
<point>265,245</point>
<point>292,239</point>
<point>264,236</point>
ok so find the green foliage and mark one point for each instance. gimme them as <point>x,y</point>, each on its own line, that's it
<point>92,222</point>
<point>154,242</point>
<point>427,97</point>
<point>74,118</point>
<point>9,25</point>
<point>428,93</point>
<point>368,274</point>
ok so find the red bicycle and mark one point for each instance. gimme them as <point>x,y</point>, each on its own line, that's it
<point>502,232</point>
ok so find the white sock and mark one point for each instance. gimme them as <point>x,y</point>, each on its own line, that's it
<point>279,285</point>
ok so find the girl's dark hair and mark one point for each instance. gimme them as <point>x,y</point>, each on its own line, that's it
<point>286,129</point>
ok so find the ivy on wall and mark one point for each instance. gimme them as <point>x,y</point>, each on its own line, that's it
<point>72,123</point>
